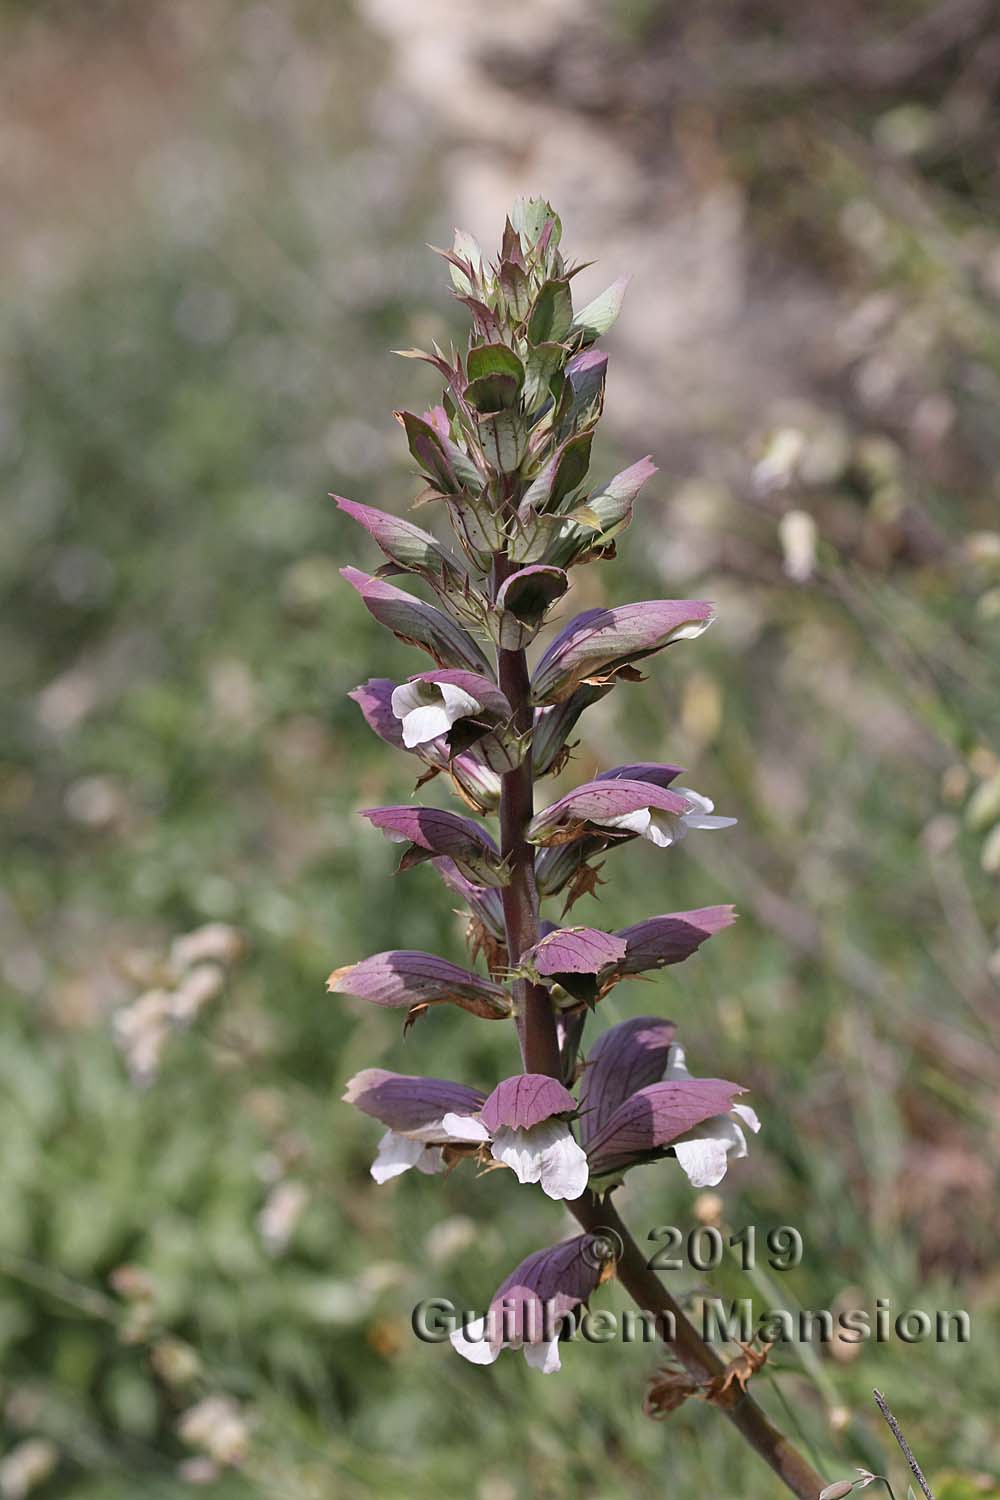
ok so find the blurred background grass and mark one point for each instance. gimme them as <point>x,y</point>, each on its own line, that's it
<point>214,227</point>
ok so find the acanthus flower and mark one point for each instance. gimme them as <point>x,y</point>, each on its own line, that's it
<point>528,1309</point>
<point>618,807</point>
<point>522,1124</point>
<point>463,709</point>
<point>414,1109</point>
<point>601,644</point>
<point>638,1100</point>
<point>472,778</point>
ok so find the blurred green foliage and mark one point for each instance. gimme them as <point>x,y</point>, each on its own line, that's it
<point>180,393</point>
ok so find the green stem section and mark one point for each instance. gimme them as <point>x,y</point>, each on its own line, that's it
<point>536,1024</point>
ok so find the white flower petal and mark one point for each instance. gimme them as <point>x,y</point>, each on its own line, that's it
<point>748,1116</point>
<point>704,1152</point>
<point>521,1150</point>
<point>676,1064</point>
<point>700,814</point>
<point>396,1154</point>
<point>664,829</point>
<point>632,822</point>
<point>702,804</point>
<point>547,1153</point>
<point>472,1344</point>
<point>430,1161</point>
<point>427,710</point>
<point>544,1357</point>
<point>423,724</point>
<point>463,1128</point>
<point>457,702</point>
<point>704,1161</point>
<point>406,697</point>
<point>564,1167</point>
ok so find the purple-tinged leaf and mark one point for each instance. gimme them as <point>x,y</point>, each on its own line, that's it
<point>485,320</point>
<point>597,806</point>
<point>671,938</point>
<point>416,623</point>
<point>516,290</point>
<point>601,642</point>
<point>586,373</point>
<point>426,445</point>
<point>408,979</point>
<point>431,831</point>
<point>405,1102</point>
<point>410,548</point>
<point>524,1101</point>
<point>523,600</point>
<point>374,700</point>
<point>437,419</point>
<point>648,1120</point>
<point>622,1061</point>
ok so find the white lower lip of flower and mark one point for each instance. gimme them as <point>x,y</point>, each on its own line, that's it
<point>704,1159</point>
<point>427,710</point>
<point>547,1154</point>
<point>398,1153</point>
<point>544,1357</point>
<point>649,823</point>
<point>472,1344</point>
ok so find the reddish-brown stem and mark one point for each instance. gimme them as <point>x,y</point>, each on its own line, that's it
<point>536,1023</point>
<point>540,1050</point>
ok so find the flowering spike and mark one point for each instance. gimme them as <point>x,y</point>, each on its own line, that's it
<point>507,450</point>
